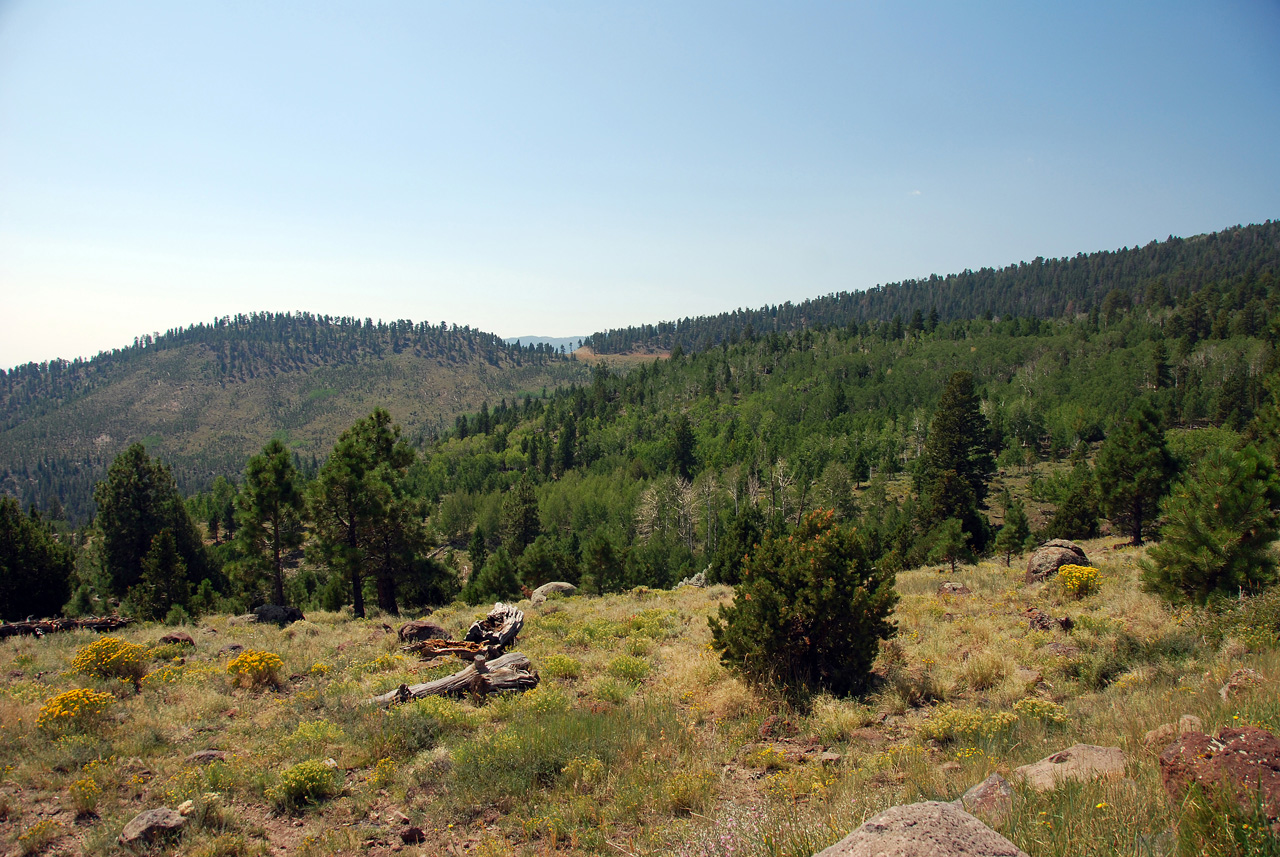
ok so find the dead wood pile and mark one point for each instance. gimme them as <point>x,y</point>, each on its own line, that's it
<point>40,627</point>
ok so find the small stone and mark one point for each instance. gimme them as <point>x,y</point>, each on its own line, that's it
<point>151,826</point>
<point>177,638</point>
<point>398,817</point>
<point>412,836</point>
<point>205,757</point>
<point>992,799</point>
<point>830,758</point>
<point>951,587</point>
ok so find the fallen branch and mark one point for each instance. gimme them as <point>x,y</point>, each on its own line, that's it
<point>428,649</point>
<point>512,671</point>
<point>40,627</point>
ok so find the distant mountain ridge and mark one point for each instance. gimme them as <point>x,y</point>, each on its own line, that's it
<point>1042,288</point>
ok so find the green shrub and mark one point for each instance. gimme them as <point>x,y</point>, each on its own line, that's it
<point>810,611</point>
<point>305,784</point>
<point>949,723</point>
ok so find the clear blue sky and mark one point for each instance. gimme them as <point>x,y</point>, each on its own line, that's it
<point>559,168</point>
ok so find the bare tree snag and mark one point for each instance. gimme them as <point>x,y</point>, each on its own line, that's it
<point>500,628</point>
<point>512,671</point>
<point>428,649</point>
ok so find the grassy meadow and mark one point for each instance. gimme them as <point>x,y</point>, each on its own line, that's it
<point>637,741</point>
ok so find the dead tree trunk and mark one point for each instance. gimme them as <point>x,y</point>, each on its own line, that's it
<point>500,628</point>
<point>40,627</point>
<point>512,671</point>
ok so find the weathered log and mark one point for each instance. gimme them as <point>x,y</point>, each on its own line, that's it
<point>500,628</point>
<point>512,671</point>
<point>40,627</point>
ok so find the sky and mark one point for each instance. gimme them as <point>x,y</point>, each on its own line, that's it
<point>560,168</point>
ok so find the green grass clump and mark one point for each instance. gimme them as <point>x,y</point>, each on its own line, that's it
<point>949,724</point>
<point>629,668</point>
<point>305,784</point>
<point>561,666</point>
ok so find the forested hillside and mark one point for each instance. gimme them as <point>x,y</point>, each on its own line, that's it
<point>208,396</point>
<point>1043,288</point>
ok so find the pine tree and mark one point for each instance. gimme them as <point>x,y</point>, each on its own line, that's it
<point>950,544</point>
<point>1133,470</point>
<point>520,523</point>
<point>497,581</point>
<point>1015,533</point>
<point>957,460</point>
<point>269,511</point>
<point>137,501</point>
<point>34,566</point>
<point>1221,521</point>
<point>163,585</point>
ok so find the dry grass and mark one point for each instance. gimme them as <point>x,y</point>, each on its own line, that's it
<point>639,740</point>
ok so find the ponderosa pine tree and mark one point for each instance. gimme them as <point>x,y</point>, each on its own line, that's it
<point>1221,521</point>
<point>163,590</point>
<point>34,566</point>
<point>519,520</point>
<point>1134,469</point>
<point>269,512</point>
<point>357,504</point>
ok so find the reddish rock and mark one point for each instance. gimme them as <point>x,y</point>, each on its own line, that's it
<point>1243,763</point>
<point>421,629</point>
<point>992,799</point>
<point>205,757</point>
<point>177,638</point>
<point>1052,555</point>
<point>950,587</point>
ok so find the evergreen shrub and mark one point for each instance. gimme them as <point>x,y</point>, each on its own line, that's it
<point>810,611</point>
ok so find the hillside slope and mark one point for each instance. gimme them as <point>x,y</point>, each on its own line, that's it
<point>206,398</point>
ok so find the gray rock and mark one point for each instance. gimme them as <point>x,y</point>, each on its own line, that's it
<point>1164,735</point>
<point>1052,555</point>
<point>151,826</point>
<point>929,829</point>
<point>992,799</point>
<point>554,588</point>
<point>1080,762</point>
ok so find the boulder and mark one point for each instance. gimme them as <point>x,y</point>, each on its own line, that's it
<point>418,630</point>
<point>205,757</point>
<point>928,829</point>
<point>277,614</point>
<point>1242,679</point>
<point>1080,762</point>
<point>1243,763</point>
<point>992,799</point>
<point>177,638</point>
<point>1052,555</point>
<point>1162,736</point>
<point>151,826</point>
<point>554,588</point>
